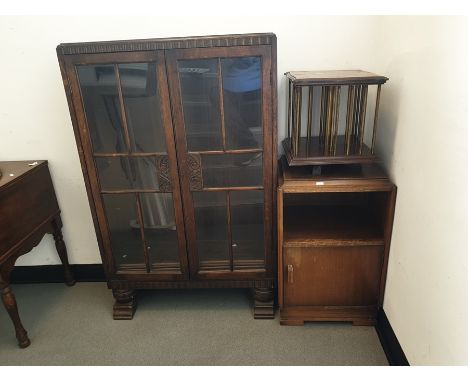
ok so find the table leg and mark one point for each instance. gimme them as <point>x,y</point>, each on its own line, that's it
<point>9,302</point>
<point>62,251</point>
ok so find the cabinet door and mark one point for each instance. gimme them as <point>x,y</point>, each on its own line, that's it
<point>126,134</point>
<point>221,102</point>
<point>332,276</point>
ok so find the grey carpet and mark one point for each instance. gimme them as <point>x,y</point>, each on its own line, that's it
<point>74,326</point>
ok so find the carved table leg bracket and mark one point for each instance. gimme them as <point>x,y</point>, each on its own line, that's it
<point>264,303</point>
<point>125,304</point>
<point>9,302</point>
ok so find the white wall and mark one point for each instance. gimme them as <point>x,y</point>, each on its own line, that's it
<point>34,118</point>
<point>422,140</point>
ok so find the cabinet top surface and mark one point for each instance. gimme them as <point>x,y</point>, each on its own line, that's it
<point>166,43</point>
<point>11,171</point>
<point>344,174</point>
<point>334,76</point>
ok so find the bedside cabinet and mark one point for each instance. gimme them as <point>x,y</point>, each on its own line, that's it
<point>334,231</point>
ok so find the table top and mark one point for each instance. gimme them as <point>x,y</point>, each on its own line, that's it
<point>13,170</point>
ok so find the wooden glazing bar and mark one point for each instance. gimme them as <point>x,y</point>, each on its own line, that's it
<point>289,108</point>
<point>228,206</point>
<point>235,151</point>
<point>122,109</point>
<point>239,188</point>
<point>111,155</point>
<point>128,191</point>
<point>349,116</point>
<point>309,112</point>
<point>221,104</point>
<point>142,233</point>
<point>362,118</point>
<point>336,117</point>
<point>376,115</point>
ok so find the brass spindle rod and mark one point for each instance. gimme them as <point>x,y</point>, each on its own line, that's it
<point>333,120</point>
<point>309,113</point>
<point>297,119</point>
<point>349,116</point>
<point>353,129</point>
<point>336,117</point>
<point>329,119</point>
<point>357,112</point>
<point>289,108</point>
<point>356,96</point>
<point>376,115</point>
<point>362,119</point>
<point>323,108</point>
<point>293,117</point>
<point>299,116</point>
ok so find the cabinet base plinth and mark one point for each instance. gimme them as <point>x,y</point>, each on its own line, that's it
<point>125,304</point>
<point>291,322</point>
<point>267,312</point>
<point>365,322</point>
<point>264,299</point>
<point>358,316</point>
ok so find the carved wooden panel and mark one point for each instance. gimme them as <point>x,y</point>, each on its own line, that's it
<point>195,172</point>
<point>173,43</point>
<point>163,172</point>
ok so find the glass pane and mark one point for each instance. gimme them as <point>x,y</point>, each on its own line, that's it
<point>247,229</point>
<point>101,103</point>
<point>200,100</point>
<point>242,99</point>
<point>231,170</point>
<point>160,230</point>
<point>212,230</point>
<point>123,173</point>
<point>126,243</point>
<point>142,106</point>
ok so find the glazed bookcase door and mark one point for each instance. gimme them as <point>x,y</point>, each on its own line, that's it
<point>221,99</point>
<point>126,133</point>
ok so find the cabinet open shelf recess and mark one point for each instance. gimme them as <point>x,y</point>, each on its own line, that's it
<point>330,226</point>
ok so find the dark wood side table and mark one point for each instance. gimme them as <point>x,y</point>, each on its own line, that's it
<point>28,210</point>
